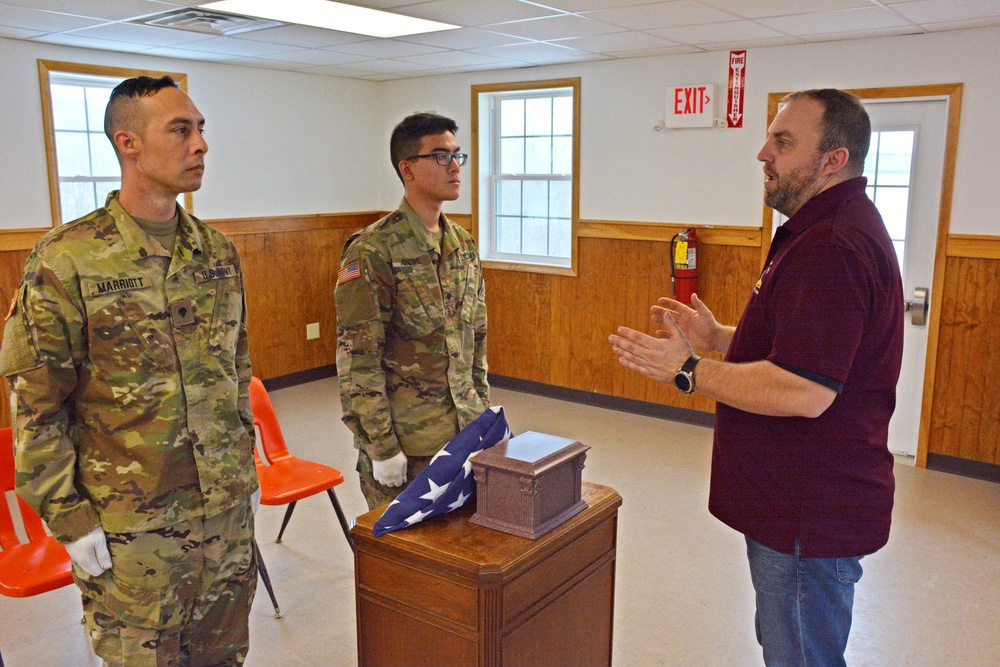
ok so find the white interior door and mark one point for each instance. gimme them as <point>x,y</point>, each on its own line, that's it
<point>914,234</point>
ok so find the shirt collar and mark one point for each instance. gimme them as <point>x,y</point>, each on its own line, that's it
<point>449,237</point>
<point>824,203</point>
<point>139,245</point>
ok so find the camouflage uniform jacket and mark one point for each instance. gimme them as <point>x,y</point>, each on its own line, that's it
<point>411,326</point>
<point>131,379</point>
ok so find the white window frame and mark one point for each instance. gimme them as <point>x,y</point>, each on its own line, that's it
<point>486,173</point>
<point>49,72</point>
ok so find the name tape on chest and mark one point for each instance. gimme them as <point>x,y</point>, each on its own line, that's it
<point>114,285</point>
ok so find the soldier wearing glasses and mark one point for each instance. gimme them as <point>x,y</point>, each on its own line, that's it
<point>411,318</point>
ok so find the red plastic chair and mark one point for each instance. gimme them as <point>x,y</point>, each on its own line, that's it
<point>39,565</point>
<point>285,479</point>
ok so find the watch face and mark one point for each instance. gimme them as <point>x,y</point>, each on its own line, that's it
<point>683,382</point>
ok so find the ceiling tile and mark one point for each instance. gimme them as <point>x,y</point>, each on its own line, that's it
<point>464,38</point>
<point>102,9</point>
<point>555,27</point>
<point>33,19</point>
<point>934,11</point>
<point>835,22</point>
<point>18,33</point>
<point>301,36</point>
<point>717,32</point>
<point>533,52</point>
<point>662,15</point>
<point>142,34</point>
<point>386,48</point>
<point>752,9</point>
<point>471,13</point>
<point>317,57</point>
<point>456,59</point>
<point>73,39</point>
<point>619,42</point>
<point>238,47</point>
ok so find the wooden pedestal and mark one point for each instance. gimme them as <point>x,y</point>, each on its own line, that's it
<point>449,593</point>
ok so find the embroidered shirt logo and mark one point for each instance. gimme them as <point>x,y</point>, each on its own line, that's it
<point>348,273</point>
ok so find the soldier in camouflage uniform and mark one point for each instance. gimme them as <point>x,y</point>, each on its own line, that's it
<point>411,318</point>
<point>126,348</point>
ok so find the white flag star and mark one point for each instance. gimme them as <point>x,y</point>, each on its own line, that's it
<point>462,497</point>
<point>435,491</point>
<point>416,517</point>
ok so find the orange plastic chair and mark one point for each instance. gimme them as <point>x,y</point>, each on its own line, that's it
<point>285,479</point>
<point>39,565</point>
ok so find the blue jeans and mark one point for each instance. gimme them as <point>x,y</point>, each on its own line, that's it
<point>804,606</point>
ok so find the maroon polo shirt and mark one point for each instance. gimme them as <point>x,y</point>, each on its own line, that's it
<point>829,307</point>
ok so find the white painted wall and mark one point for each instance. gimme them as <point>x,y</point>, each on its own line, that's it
<point>711,176</point>
<point>280,143</point>
<point>285,143</point>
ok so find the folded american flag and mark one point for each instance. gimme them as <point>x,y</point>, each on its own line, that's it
<point>446,483</point>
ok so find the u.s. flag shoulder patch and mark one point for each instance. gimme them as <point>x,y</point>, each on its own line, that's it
<point>349,273</point>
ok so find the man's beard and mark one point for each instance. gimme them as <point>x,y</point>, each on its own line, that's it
<point>795,188</point>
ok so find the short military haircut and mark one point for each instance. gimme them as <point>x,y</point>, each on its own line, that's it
<point>123,111</point>
<point>845,124</point>
<point>405,141</point>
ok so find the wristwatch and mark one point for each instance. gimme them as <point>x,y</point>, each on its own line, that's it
<point>684,378</point>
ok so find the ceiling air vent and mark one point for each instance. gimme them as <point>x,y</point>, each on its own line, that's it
<point>210,23</point>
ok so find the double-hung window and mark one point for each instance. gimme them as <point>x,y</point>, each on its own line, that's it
<point>526,174</point>
<point>81,161</point>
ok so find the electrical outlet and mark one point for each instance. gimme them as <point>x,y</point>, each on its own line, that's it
<point>312,330</point>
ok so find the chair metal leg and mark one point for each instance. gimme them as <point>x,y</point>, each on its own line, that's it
<point>284,522</point>
<point>341,517</point>
<point>267,580</point>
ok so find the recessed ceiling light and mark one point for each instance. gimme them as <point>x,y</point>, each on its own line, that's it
<point>332,16</point>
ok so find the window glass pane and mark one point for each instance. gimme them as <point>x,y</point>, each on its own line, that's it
<point>893,203</point>
<point>508,236</point>
<point>68,108</point>
<point>562,155</point>
<point>536,199</point>
<point>560,237</point>
<point>895,157</point>
<point>102,156</point>
<point>511,118</point>
<point>538,156</point>
<point>535,239</point>
<point>562,115</point>
<point>73,154</point>
<point>561,199</point>
<point>77,200</point>
<point>509,198</point>
<point>900,252</point>
<point>97,102</point>
<point>538,115</point>
<point>871,159</point>
<point>512,156</point>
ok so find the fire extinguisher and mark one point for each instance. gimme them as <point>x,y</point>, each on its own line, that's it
<point>684,264</point>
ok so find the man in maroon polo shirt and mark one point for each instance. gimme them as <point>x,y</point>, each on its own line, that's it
<point>800,463</point>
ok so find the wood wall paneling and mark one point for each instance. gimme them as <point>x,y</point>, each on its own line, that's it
<point>965,421</point>
<point>553,329</point>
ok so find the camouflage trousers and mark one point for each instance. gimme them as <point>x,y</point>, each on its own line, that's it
<point>177,596</point>
<point>377,494</point>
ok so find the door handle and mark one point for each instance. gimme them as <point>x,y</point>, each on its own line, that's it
<point>917,308</point>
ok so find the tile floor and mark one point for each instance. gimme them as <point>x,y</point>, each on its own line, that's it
<point>931,598</point>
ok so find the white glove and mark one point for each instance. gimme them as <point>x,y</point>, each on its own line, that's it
<point>391,472</point>
<point>90,552</point>
<point>255,500</point>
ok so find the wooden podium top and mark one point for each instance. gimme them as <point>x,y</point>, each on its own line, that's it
<point>450,541</point>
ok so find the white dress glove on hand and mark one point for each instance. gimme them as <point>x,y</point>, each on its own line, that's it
<point>255,500</point>
<point>391,472</point>
<point>90,552</point>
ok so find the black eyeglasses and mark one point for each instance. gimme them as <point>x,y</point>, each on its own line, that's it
<point>444,159</point>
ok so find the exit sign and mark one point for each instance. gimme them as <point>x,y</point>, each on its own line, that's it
<point>691,106</point>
